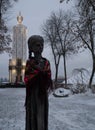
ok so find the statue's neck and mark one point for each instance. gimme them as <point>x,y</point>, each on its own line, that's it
<point>38,57</point>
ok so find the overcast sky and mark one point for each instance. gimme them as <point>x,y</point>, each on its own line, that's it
<point>34,13</point>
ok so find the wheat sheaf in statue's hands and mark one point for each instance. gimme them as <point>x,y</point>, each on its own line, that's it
<point>39,65</point>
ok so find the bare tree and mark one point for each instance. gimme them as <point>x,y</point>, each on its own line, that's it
<point>5,38</point>
<point>60,25</point>
<point>50,35</point>
<point>86,33</point>
<point>86,28</point>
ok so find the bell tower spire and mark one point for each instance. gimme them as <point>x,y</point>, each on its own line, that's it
<point>19,18</point>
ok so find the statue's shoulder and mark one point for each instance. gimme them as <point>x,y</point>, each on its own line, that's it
<point>30,60</point>
<point>46,60</point>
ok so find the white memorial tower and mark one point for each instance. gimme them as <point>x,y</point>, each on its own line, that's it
<point>19,52</point>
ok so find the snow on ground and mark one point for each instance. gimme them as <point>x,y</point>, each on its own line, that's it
<point>76,112</point>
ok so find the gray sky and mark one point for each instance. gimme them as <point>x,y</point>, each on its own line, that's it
<point>35,12</point>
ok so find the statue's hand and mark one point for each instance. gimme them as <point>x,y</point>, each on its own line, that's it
<point>40,65</point>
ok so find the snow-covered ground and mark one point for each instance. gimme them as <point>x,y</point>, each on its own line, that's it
<point>76,112</point>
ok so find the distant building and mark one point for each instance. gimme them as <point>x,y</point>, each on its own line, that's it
<point>19,52</point>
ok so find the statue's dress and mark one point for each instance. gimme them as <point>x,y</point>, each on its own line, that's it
<point>38,84</point>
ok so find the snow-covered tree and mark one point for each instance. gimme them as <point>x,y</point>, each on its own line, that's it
<point>83,4</point>
<point>5,38</point>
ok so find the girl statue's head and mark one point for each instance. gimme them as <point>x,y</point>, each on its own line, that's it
<point>35,45</point>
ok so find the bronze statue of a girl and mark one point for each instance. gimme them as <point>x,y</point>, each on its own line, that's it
<point>38,83</point>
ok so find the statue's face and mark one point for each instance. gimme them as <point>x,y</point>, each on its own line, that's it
<point>37,47</point>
